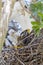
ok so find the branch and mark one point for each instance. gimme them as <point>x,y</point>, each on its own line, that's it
<point>28,11</point>
<point>20,61</point>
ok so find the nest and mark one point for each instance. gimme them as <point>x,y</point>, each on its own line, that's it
<point>31,54</point>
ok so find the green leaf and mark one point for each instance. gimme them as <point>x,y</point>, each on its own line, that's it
<point>34,23</point>
<point>41,26</point>
<point>36,8</point>
<point>36,29</point>
<point>40,15</point>
<point>36,26</point>
<point>37,11</point>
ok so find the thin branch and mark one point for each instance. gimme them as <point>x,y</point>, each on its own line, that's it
<point>25,38</point>
<point>20,61</point>
<point>28,11</point>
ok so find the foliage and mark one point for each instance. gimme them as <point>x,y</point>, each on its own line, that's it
<point>37,11</point>
<point>37,26</point>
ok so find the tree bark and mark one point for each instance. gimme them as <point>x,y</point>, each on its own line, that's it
<point>5,19</point>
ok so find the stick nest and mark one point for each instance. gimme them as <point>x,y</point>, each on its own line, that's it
<point>31,54</point>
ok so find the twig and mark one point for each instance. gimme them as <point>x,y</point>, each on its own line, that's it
<point>20,61</point>
<point>32,61</point>
<point>29,45</point>
<point>26,37</point>
<point>28,11</point>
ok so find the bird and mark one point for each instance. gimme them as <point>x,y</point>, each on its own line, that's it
<point>14,28</point>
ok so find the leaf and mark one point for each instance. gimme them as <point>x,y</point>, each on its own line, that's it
<point>41,26</point>
<point>40,15</point>
<point>35,23</point>
<point>37,11</point>
<point>36,8</point>
<point>36,29</point>
<point>36,26</point>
